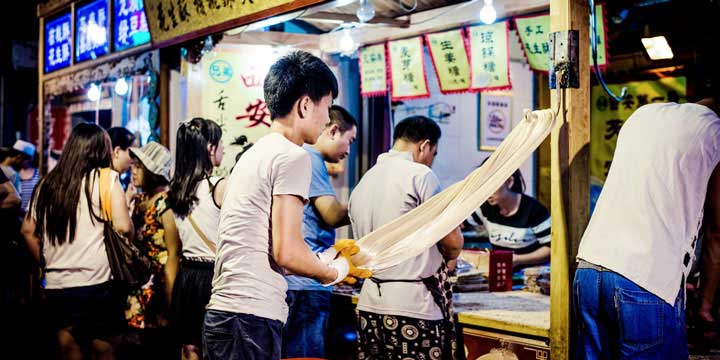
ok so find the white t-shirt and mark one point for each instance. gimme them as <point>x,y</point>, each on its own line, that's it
<point>82,262</point>
<point>650,209</point>
<point>207,217</point>
<point>391,188</point>
<point>247,280</point>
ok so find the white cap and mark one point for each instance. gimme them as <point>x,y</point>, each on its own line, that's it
<point>25,148</point>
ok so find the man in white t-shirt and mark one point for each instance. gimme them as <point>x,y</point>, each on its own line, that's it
<point>639,245</point>
<point>260,222</point>
<point>400,317</point>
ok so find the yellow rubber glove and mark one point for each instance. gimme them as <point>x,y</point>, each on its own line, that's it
<point>355,272</point>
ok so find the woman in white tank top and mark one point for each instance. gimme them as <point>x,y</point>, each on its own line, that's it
<point>64,232</point>
<point>195,197</point>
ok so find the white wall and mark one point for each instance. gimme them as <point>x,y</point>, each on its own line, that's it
<point>458,152</point>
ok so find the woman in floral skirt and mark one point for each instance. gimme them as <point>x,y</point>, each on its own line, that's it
<point>157,237</point>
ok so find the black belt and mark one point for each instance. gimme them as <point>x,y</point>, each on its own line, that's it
<point>383,281</point>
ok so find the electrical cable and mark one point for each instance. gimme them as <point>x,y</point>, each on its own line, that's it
<point>596,68</point>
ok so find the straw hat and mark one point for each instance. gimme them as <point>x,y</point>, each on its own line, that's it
<point>155,157</point>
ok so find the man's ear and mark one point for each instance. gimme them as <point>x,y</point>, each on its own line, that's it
<point>303,106</point>
<point>333,129</point>
<point>425,145</point>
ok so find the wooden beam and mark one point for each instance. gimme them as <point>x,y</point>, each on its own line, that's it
<point>570,176</point>
<point>304,41</point>
<point>447,17</point>
<point>349,18</point>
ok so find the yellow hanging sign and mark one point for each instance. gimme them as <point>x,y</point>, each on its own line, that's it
<point>407,69</point>
<point>450,60</point>
<point>607,116</point>
<point>373,71</point>
<point>534,34</point>
<point>489,56</point>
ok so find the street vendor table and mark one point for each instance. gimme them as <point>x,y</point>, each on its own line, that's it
<point>499,325</point>
<point>503,325</point>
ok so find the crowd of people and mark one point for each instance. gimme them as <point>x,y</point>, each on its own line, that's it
<point>242,267</point>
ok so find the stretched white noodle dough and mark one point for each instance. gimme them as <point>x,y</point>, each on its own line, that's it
<point>409,235</point>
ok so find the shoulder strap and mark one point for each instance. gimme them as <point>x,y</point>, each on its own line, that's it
<point>104,187</point>
<point>204,238</point>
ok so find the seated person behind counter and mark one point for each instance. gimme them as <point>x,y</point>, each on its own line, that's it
<point>515,222</point>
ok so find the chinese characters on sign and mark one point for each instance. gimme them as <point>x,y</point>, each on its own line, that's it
<point>170,19</point>
<point>91,30</point>
<point>495,120</point>
<point>608,116</point>
<point>131,28</point>
<point>534,32</point>
<point>57,43</point>
<point>228,89</point>
<point>256,112</point>
<point>407,68</point>
<point>447,50</point>
<point>373,71</point>
<point>490,60</point>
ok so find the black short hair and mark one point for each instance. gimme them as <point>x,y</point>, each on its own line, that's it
<point>296,75</point>
<point>340,116</point>
<point>416,129</point>
<point>120,136</point>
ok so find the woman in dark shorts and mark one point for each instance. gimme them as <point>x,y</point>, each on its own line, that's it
<point>64,232</point>
<point>195,197</point>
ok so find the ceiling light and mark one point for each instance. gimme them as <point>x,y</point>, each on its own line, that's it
<point>93,93</point>
<point>487,13</point>
<point>657,48</point>
<point>366,11</point>
<point>121,87</point>
<point>347,44</point>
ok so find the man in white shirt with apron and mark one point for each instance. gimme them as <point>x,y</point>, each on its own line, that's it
<point>639,245</point>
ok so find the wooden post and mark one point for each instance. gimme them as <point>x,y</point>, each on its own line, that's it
<point>164,107</point>
<point>41,98</point>
<point>570,176</point>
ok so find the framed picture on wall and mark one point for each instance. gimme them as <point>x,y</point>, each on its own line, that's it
<point>494,120</point>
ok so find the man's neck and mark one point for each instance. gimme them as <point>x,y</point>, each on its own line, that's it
<point>286,128</point>
<point>403,146</point>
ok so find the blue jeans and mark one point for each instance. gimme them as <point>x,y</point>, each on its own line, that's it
<point>306,328</point>
<point>617,319</point>
<point>230,336</point>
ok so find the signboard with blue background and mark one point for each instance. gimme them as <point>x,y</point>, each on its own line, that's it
<point>91,30</point>
<point>57,42</point>
<point>131,28</point>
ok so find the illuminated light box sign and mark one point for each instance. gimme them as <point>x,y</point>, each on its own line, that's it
<point>131,27</point>
<point>58,41</point>
<point>91,31</point>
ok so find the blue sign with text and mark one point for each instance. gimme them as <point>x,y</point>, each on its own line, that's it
<point>91,30</point>
<point>131,28</point>
<point>57,43</point>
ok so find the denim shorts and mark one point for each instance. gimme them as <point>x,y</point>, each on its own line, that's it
<point>230,336</point>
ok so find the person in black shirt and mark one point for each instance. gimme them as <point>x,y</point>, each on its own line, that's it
<point>516,222</point>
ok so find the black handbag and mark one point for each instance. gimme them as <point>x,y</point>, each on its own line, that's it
<point>127,263</point>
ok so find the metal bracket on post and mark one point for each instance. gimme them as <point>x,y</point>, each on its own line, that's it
<point>564,55</point>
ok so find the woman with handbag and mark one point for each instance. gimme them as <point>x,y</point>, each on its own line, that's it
<point>65,233</point>
<point>195,197</point>
<point>157,237</point>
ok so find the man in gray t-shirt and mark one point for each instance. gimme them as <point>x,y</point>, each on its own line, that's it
<point>259,232</point>
<point>399,182</point>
